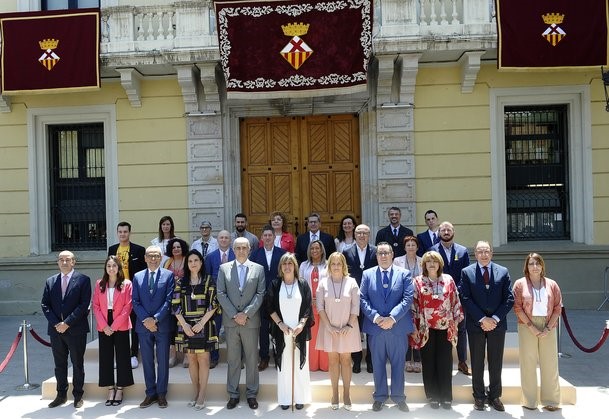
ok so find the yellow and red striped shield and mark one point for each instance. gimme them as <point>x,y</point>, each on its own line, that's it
<point>296,52</point>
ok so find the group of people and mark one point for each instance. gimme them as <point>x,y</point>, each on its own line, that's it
<point>305,303</point>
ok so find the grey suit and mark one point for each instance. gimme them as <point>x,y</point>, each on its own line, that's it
<point>241,338</point>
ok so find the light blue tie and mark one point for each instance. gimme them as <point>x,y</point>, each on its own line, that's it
<point>241,276</point>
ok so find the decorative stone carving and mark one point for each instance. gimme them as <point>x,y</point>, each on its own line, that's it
<point>206,195</point>
<point>206,173</point>
<point>204,127</point>
<point>396,167</point>
<point>401,190</point>
<point>5,104</point>
<point>205,150</point>
<point>470,66</point>
<point>188,79</point>
<point>131,82</point>
<point>394,142</point>
<point>394,119</point>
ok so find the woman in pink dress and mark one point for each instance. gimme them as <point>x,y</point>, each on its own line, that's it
<point>338,307</point>
<point>313,270</point>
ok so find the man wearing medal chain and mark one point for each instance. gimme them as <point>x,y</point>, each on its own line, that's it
<point>386,299</point>
<point>487,298</point>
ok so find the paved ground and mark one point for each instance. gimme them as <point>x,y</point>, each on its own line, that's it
<point>589,372</point>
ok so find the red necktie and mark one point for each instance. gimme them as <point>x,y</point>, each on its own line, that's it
<point>485,276</point>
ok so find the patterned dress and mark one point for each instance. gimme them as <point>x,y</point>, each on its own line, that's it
<point>192,302</point>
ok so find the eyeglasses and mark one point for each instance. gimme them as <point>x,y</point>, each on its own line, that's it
<point>205,228</point>
<point>153,256</point>
<point>362,233</point>
<point>383,253</point>
<point>483,252</point>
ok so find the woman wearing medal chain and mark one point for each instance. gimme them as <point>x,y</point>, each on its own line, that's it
<point>289,301</point>
<point>338,307</point>
<point>176,251</point>
<point>538,305</point>
<point>313,270</point>
<point>436,312</point>
<point>412,262</point>
<point>194,303</point>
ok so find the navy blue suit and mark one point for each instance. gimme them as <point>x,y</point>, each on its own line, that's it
<point>397,243</point>
<point>453,265</point>
<point>391,343</point>
<point>478,302</point>
<point>270,273</point>
<point>156,304</point>
<point>73,310</point>
<point>302,244</point>
<point>356,271</point>
<point>425,243</point>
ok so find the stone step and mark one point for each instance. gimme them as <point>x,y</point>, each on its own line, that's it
<point>361,388</point>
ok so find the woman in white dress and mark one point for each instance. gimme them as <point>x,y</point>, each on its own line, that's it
<point>290,304</point>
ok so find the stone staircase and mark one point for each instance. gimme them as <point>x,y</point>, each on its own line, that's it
<point>361,388</point>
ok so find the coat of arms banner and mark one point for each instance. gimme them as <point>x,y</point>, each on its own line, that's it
<point>277,49</point>
<point>48,52</point>
<point>552,34</point>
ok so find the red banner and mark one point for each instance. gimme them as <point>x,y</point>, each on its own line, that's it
<point>281,48</point>
<point>47,52</point>
<point>551,34</point>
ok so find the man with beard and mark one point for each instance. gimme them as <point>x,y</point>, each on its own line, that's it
<point>241,231</point>
<point>394,233</point>
<point>455,259</point>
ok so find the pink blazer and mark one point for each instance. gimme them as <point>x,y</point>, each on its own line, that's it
<point>120,311</point>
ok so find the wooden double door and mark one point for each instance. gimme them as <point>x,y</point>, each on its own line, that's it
<point>299,165</point>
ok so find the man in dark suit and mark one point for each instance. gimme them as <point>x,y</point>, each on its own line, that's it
<point>431,236</point>
<point>223,254</point>
<point>394,233</point>
<point>486,295</point>
<point>241,287</point>
<point>455,259</point>
<point>65,304</point>
<point>268,257</point>
<point>386,298</point>
<point>314,233</point>
<point>360,257</point>
<point>131,256</point>
<point>152,294</point>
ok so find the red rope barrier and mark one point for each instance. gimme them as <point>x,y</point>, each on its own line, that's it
<point>579,345</point>
<point>38,338</point>
<point>11,351</point>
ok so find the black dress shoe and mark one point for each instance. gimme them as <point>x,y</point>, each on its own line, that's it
<point>357,368</point>
<point>479,404</point>
<point>253,404</point>
<point>463,368</point>
<point>162,401</point>
<point>149,401</point>
<point>403,406</point>
<point>232,403</point>
<point>299,406</point>
<point>446,405</point>
<point>369,368</point>
<point>213,364</point>
<point>377,406</point>
<point>263,364</point>
<point>78,403</point>
<point>497,405</point>
<point>59,400</point>
<point>284,407</point>
<point>434,404</point>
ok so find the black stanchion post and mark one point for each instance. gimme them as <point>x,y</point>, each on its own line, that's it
<point>561,354</point>
<point>27,385</point>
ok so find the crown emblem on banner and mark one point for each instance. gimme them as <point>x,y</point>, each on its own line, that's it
<point>295,29</point>
<point>553,18</point>
<point>48,44</point>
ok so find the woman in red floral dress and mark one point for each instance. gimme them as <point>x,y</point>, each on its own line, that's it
<point>436,312</point>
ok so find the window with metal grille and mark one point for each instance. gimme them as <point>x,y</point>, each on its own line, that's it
<point>68,4</point>
<point>536,173</point>
<point>77,198</point>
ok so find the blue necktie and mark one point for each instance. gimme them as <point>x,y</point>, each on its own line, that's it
<point>151,282</point>
<point>385,283</point>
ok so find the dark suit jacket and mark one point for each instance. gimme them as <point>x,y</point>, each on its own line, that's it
<point>248,301</point>
<point>459,259</point>
<point>425,243</point>
<point>354,264</point>
<point>397,304</point>
<point>73,309</point>
<point>302,245</point>
<point>213,261</point>
<point>270,272</point>
<point>386,235</point>
<point>479,302</point>
<point>136,257</point>
<point>156,304</point>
